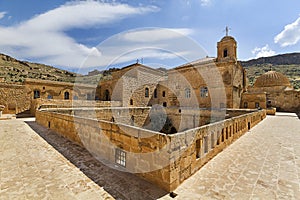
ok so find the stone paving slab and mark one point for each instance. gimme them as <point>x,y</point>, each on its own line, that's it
<point>262,164</point>
<point>30,168</point>
<point>37,163</point>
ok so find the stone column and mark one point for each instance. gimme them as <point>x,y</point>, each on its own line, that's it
<point>1,109</point>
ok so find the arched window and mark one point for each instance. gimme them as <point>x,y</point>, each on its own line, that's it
<point>88,96</point>
<point>155,93</point>
<point>146,92</point>
<point>203,92</point>
<point>163,93</point>
<point>225,53</point>
<point>106,95</point>
<point>245,104</point>
<point>131,102</point>
<point>36,94</point>
<point>187,93</point>
<point>67,95</point>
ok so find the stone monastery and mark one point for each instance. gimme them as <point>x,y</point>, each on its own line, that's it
<point>162,126</point>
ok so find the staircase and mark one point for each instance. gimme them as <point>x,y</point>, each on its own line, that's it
<point>24,114</point>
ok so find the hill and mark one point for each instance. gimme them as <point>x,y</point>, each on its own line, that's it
<point>14,70</point>
<point>287,64</point>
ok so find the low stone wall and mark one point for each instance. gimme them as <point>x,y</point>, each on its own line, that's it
<point>165,160</point>
<point>191,149</point>
<point>58,103</point>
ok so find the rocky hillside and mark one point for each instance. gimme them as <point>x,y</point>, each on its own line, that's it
<point>282,59</point>
<point>287,64</point>
<point>14,70</point>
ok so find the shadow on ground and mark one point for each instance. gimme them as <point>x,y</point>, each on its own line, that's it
<point>120,185</point>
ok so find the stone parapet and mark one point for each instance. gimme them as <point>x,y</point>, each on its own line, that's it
<point>165,160</point>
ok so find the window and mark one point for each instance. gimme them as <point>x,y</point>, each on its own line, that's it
<point>198,148</point>
<point>187,93</point>
<point>163,94</point>
<point>120,157</point>
<point>49,96</point>
<point>155,93</point>
<point>164,104</point>
<point>146,92</point>
<point>67,95</point>
<point>131,102</point>
<point>106,95</point>
<point>222,105</point>
<point>203,92</point>
<point>205,144</point>
<point>212,140</point>
<point>225,53</point>
<point>36,94</point>
<point>75,97</point>
<point>256,104</point>
<point>245,104</point>
<point>88,96</point>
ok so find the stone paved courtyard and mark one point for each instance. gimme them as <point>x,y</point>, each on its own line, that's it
<point>263,164</point>
<point>38,164</point>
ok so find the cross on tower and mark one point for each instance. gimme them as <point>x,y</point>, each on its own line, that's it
<point>227,29</point>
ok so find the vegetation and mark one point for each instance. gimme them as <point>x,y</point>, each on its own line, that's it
<point>287,64</point>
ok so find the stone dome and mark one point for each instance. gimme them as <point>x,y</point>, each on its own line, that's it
<point>227,38</point>
<point>272,78</point>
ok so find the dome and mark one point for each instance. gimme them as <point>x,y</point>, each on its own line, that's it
<point>227,38</point>
<point>272,78</point>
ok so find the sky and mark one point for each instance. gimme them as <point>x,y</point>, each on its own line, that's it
<point>86,35</point>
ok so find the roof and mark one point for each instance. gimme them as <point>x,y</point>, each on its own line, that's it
<point>272,78</point>
<point>201,61</point>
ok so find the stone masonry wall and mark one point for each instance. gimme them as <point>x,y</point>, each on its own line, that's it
<point>165,160</point>
<point>191,149</point>
<point>15,98</point>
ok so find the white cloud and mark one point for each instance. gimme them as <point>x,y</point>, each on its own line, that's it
<point>156,34</point>
<point>290,35</point>
<point>205,2</point>
<point>263,51</point>
<point>2,14</point>
<point>43,37</point>
<point>157,44</point>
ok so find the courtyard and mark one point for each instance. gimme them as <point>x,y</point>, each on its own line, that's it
<point>36,163</point>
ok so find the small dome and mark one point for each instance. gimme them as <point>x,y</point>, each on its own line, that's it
<point>272,78</point>
<point>227,38</point>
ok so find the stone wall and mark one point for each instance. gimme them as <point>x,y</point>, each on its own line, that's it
<point>56,90</point>
<point>59,103</point>
<point>165,160</point>
<point>15,98</point>
<point>253,99</point>
<point>191,149</point>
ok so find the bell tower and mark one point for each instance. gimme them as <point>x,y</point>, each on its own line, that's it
<point>227,48</point>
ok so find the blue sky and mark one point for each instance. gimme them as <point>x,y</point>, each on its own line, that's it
<point>88,34</point>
